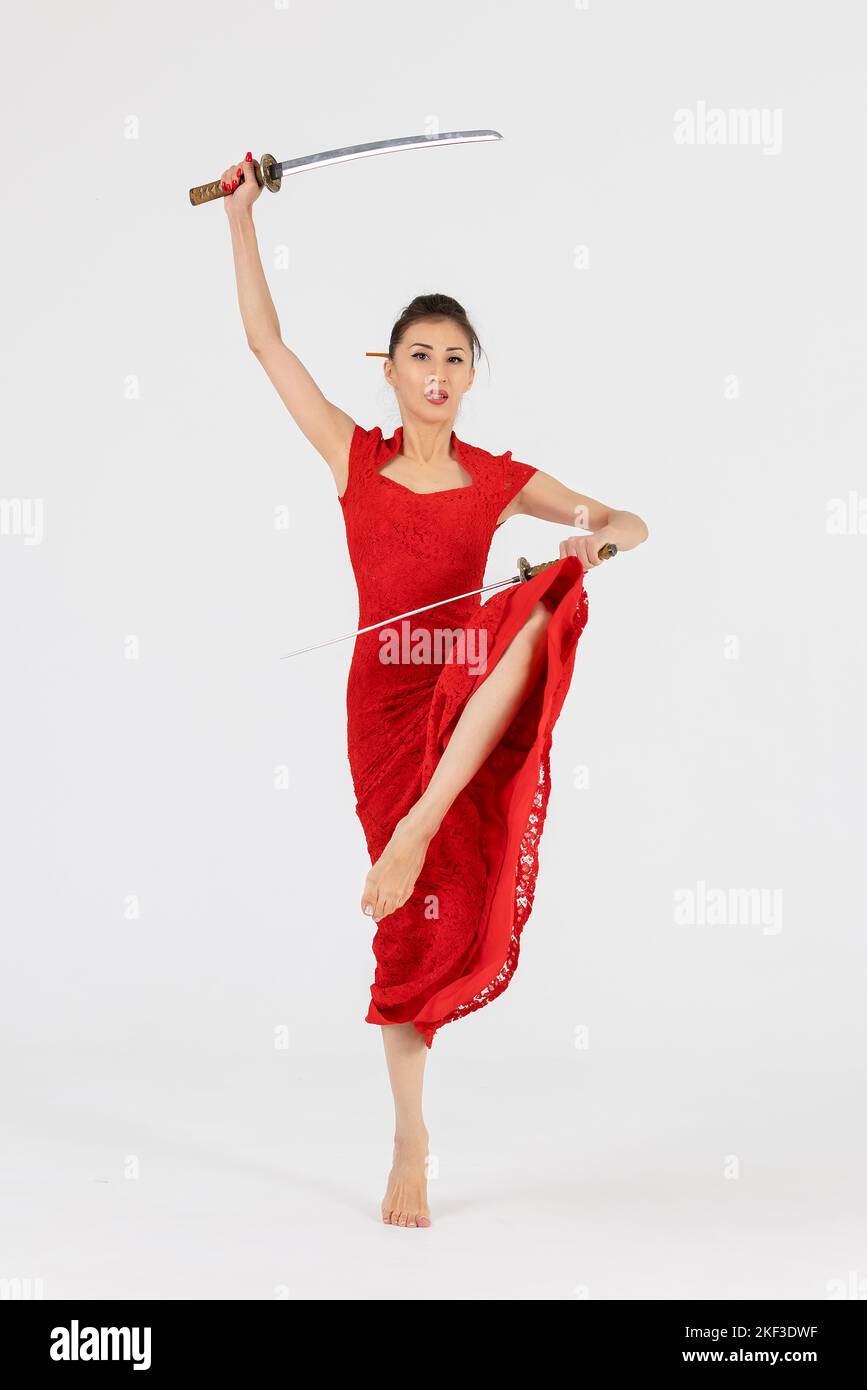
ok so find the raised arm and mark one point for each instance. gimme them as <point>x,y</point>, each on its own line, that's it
<point>546,498</point>
<point>328,428</point>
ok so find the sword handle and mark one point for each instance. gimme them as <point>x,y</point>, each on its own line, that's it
<point>268,173</point>
<point>528,571</point>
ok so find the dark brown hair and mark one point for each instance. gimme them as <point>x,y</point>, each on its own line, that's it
<point>434,306</point>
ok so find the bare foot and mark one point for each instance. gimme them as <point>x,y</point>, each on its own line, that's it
<point>392,878</point>
<point>405,1200</point>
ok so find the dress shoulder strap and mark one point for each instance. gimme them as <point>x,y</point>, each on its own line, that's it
<point>506,477</point>
<point>364,449</point>
<point>513,475</point>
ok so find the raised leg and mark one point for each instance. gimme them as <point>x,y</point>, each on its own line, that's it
<point>485,718</point>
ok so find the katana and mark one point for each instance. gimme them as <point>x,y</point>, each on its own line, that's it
<point>270,171</point>
<point>526,571</point>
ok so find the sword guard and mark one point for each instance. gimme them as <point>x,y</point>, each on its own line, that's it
<point>268,173</point>
<point>527,571</point>
<point>272,180</point>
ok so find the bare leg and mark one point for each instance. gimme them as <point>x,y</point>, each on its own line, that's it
<point>405,1202</point>
<point>485,718</point>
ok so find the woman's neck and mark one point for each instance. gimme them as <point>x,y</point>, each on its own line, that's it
<point>429,446</point>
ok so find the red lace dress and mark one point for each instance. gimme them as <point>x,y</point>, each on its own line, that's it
<point>454,944</point>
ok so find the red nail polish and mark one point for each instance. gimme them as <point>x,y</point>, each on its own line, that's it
<point>240,172</point>
<point>248,155</point>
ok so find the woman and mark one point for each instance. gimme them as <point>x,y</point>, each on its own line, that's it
<point>449,756</point>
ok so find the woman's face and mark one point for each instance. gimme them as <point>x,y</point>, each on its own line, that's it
<point>431,370</point>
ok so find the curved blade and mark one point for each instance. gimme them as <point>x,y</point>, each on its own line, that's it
<point>407,142</point>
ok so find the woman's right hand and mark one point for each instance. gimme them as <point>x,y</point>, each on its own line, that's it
<point>240,193</point>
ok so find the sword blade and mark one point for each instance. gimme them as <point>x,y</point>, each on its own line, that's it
<point>407,142</point>
<point>499,584</point>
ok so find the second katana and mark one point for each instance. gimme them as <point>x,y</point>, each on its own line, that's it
<point>526,571</point>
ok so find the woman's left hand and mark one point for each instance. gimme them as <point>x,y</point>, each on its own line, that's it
<point>587,548</point>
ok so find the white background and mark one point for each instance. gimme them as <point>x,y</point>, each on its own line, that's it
<point>706,1136</point>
